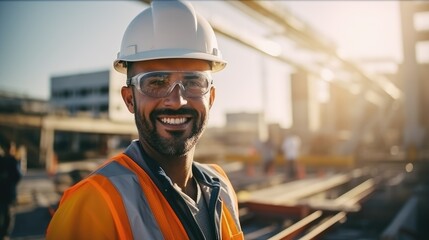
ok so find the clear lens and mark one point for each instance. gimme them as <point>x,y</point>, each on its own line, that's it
<point>160,84</point>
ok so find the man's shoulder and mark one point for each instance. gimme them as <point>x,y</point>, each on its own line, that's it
<point>8,164</point>
<point>8,159</point>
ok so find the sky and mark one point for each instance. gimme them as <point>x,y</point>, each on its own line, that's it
<point>41,39</point>
<point>361,29</point>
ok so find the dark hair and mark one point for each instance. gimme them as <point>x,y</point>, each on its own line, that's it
<point>128,66</point>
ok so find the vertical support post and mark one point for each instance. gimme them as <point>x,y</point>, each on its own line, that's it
<point>47,147</point>
<point>413,131</point>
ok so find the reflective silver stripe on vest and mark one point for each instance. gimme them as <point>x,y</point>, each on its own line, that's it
<point>143,223</point>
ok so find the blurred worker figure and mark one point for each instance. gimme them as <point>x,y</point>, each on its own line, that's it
<point>291,148</point>
<point>52,167</point>
<point>267,153</point>
<point>22,158</point>
<point>9,178</point>
<point>155,189</point>
<point>20,154</point>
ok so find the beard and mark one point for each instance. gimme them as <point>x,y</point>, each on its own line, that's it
<point>178,144</point>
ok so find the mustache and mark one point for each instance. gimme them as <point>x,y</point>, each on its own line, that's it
<point>165,111</point>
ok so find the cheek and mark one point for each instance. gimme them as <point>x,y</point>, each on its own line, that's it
<point>202,105</point>
<point>143,108</point>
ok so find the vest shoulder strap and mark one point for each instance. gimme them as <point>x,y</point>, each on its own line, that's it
<point>142,222</point>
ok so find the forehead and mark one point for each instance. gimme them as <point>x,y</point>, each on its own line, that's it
<point>169,65</point>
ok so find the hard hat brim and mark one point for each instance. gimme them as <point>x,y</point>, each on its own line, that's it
<point>217,62</point>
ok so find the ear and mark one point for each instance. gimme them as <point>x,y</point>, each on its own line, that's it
<point>212,96</point>
<point>127,96</point>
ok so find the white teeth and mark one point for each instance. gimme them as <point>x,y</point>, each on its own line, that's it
<point>173,120</point>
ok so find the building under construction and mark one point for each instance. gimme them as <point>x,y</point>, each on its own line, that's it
<point>364,164</point>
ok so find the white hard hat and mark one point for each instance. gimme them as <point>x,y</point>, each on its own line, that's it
<point>169,29</point>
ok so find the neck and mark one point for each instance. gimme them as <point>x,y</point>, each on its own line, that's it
<point>177,168</point>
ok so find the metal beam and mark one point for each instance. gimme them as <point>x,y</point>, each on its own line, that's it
<point>275,13</point>
<point>292,26</point>
<point>69,124</point>
<point>20,120</point>
<point>254,43</point>
<point>88,125</point>
<point>405,219</point>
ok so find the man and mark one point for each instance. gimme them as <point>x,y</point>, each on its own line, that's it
<point>9,178</point>
<point>267,152</point>
<point>291,148</point>
<point>154,190</point>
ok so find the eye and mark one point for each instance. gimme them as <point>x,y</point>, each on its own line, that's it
<point>156,81</point>
<point>195,82</point>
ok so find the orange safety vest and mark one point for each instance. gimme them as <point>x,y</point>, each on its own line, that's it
<point>132,198</point>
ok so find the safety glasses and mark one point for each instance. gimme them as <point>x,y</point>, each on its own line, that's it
<point>159,84</point>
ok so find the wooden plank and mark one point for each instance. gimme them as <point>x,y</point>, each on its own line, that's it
<point>291,193</point>
<point>324,226</point>
<point>272,210</point>
<point>348,202</point>
<point>296,228</point>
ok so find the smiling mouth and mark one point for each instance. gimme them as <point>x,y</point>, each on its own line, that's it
<point>174,121</point>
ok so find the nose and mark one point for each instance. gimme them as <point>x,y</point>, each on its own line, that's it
<point>175,98</point>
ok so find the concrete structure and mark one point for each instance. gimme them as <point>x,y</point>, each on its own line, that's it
<point>414,75</point>
<point>92,94</point>
<point>86,93</point>
<point>88,111</point>
<point>13,103</point>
